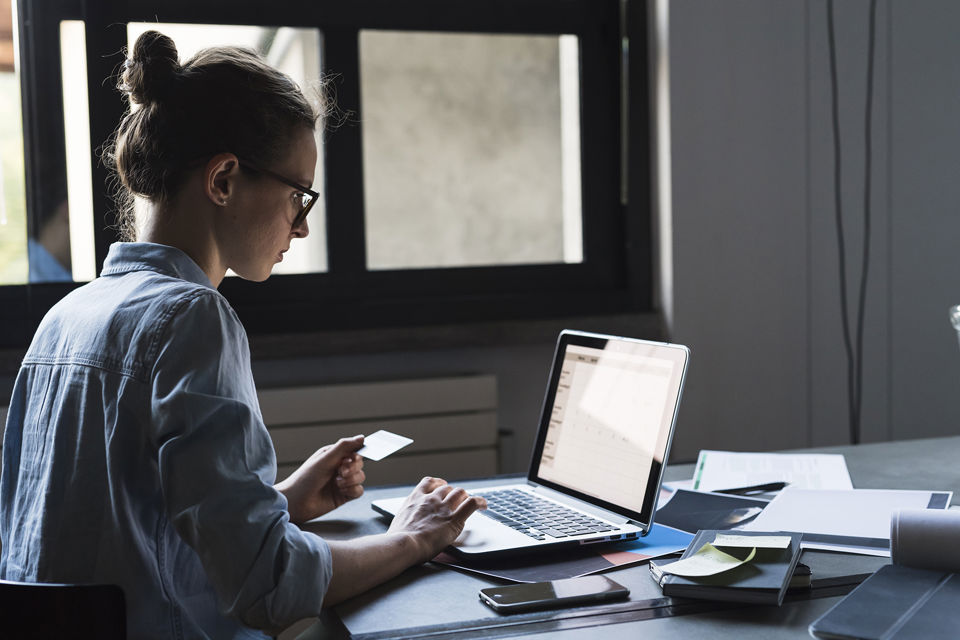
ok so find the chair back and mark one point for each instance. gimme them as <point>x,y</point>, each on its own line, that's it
<point>40,611</point>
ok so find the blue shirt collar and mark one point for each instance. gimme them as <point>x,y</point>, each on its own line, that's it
<point>125,257</point>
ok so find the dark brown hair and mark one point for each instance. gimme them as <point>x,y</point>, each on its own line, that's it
<point>224,99</point>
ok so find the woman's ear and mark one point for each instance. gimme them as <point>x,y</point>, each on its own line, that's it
<point>218,178</point>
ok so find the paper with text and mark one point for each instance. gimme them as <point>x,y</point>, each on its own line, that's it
<point>732,469</point>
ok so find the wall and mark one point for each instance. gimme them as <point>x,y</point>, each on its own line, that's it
<point>519,354</point>
<point>755,261</point>
<point>755,270</point>
<point>521,372</point>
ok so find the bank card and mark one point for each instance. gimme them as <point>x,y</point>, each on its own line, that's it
<point>381,444</point>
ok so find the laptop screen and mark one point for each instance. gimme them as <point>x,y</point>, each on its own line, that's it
<point>611,406</point>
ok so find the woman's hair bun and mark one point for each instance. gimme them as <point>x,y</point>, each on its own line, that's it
<point>151,69</point>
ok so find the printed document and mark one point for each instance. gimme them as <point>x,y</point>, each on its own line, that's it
<point>731,469</point>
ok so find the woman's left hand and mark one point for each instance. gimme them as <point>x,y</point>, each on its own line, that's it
<point>332,476</point>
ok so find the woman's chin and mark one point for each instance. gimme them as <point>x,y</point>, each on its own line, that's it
<point>254,275</point>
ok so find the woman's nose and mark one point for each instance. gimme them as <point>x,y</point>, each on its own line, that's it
<point>302,230</point>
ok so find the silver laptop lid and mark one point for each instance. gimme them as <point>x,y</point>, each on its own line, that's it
<point>607,420</point>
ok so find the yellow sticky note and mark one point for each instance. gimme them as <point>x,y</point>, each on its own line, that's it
<point>707,561</point>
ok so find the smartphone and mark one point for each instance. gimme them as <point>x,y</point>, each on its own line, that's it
<point>556,593</point>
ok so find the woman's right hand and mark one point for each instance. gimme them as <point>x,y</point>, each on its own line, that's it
<point>434,515</point>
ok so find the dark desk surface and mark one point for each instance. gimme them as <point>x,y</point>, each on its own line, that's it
<point>442,602</point>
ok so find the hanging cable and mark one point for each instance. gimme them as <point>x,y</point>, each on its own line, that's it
<point>854,352</point>
<point>867,202</point>
<point>838,212</point>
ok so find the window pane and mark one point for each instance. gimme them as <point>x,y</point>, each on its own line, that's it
<point>13,208</point>
<point>296,52</point>
<point>59,215</point>
<point>76,125</point>
<point>471,149</point>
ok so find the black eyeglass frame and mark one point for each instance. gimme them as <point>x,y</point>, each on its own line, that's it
<point>305,209</point>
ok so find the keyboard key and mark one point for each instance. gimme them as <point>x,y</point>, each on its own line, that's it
<point>534,516</point>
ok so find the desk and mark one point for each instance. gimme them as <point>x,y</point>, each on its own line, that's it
<point>442,602</point>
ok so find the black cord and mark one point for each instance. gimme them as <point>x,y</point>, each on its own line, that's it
<point>854,355</point>
<point>838,211</point>
<point>867,201</point>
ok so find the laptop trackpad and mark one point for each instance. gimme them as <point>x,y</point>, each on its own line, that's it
<point>482,534</point>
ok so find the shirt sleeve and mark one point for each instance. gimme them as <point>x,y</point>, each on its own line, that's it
<point>217,467</point>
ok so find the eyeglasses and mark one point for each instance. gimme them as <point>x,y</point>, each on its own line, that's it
<point>308,197</point>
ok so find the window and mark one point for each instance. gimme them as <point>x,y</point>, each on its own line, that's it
<point>296,52</point>
<point>483,169</point>
<point>471,149</point>
<point>13,208</point>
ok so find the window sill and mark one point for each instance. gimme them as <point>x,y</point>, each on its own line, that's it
<point>449,336</point>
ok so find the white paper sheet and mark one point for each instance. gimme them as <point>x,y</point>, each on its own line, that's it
<point>862,514</point>
<point>757,542</point>
<point>732,469</point>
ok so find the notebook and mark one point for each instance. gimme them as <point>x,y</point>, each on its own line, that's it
<point>764,579</point>
<point>605,430</point>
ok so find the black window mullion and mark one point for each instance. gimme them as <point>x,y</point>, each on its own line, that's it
<point>640,208</point>
<point>485,16</point>
<point>603,234</point>
<point>45,160</point>
<point>106,41</point>
<point>343,157</point>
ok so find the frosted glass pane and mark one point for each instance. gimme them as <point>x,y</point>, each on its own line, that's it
<point>471,149</point>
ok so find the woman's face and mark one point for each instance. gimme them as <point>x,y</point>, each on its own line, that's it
<point>261,229</point>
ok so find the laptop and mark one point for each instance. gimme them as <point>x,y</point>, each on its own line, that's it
<point>605,431</point>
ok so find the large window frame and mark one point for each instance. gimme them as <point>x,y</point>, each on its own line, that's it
<point>615,276</point>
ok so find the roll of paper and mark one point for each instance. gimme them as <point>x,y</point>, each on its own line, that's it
<point>926,539</point>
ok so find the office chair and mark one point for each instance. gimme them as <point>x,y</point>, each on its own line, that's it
<point>37,611</point>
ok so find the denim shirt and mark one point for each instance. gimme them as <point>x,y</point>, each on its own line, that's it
<point>135,454</point>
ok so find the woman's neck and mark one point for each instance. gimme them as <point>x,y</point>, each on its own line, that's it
<point>189,232</point>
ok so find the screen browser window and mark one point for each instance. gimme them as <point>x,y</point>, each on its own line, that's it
<point>608,413</point>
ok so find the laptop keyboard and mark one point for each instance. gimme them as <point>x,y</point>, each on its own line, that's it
<point>539,518</point>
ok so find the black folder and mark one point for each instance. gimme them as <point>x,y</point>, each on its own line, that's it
<point>898,603</point>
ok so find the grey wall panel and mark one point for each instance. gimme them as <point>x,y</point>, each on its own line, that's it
<point>739,221</point>
<point>756,261</point>
<point>926,221</point>
<point>521,375</point>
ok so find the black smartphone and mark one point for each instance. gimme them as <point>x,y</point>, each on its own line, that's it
<point>556,593</point>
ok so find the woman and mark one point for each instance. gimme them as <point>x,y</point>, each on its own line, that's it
<point>135,452</point>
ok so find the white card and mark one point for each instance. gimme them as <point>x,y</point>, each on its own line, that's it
<point>379,445</point>
<point>756,542</point>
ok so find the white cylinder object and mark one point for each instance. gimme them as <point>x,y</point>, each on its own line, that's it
<point>926,539</point>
